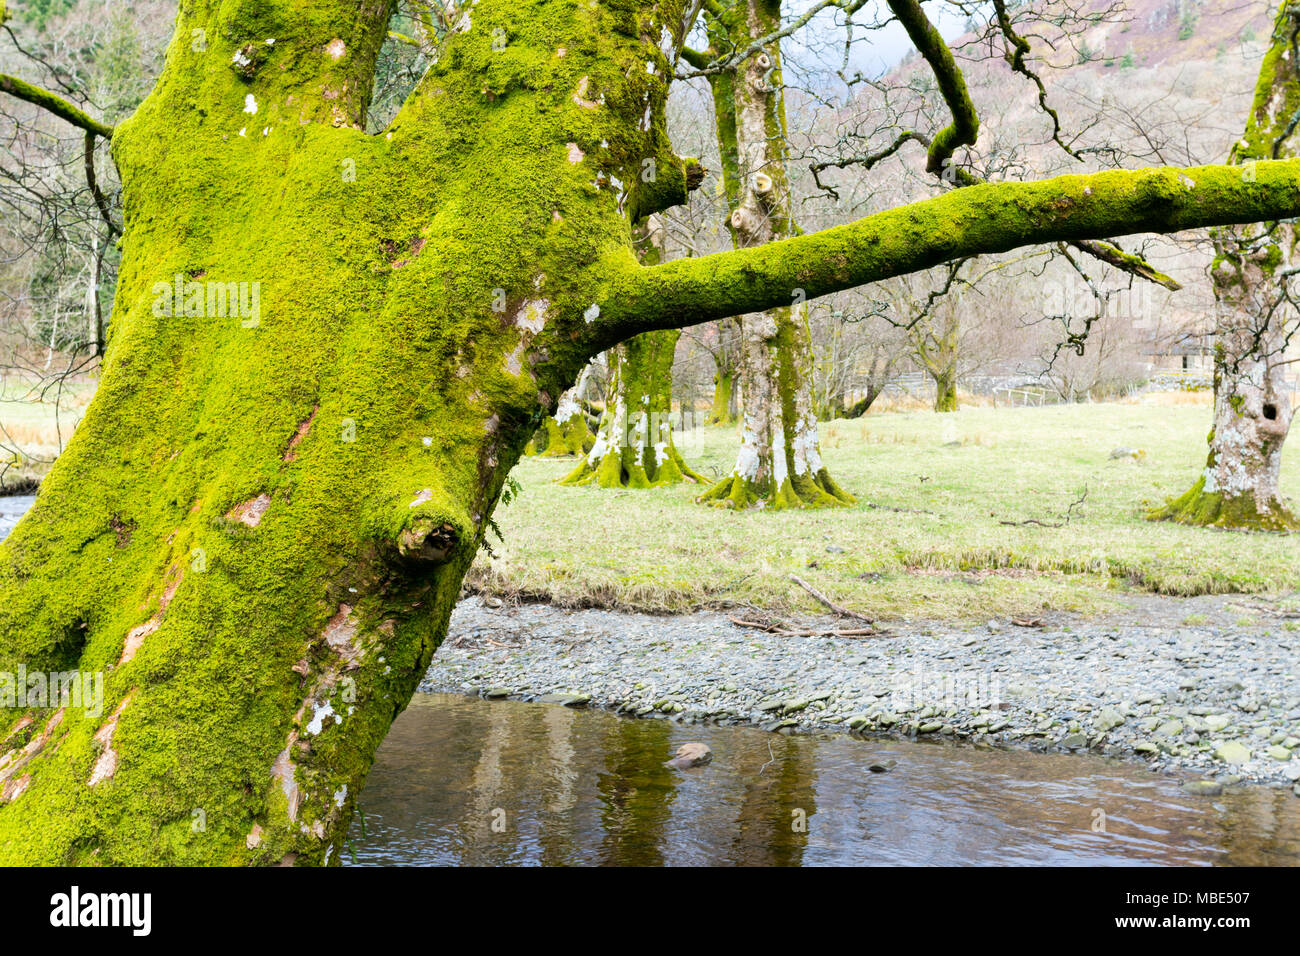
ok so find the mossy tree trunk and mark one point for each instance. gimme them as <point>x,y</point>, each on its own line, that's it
<point>779,464</point>
<point>1254,322</point>
<point>935,340</point>
<point>726,359</point>
<point>634,446</point>
<point>565,434</point>
<point>259,529</point>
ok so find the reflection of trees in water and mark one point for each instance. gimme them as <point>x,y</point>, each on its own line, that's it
<point>637,793</point>
<point>487,780</point>
<point>779,792</point>
<point>557,774</point>
<point>1258,827</point>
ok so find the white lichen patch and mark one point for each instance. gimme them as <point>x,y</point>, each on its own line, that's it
<point>320,713</point>
<point>576,155</point>
<point>250,106</point>
<point>532,315</point>
<point>566,409</point>
<point>749,462</point>
<point>336,49</point>
<point>515,360</point>
<point>251,512</point>
<point>592,313</point>
<point>425,494</point>
<point>340,795</point>
<point>780,471</point>
<point>807,459</point>
<point>580,95</point>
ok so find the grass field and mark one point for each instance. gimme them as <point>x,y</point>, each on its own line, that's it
<point>946,556</point>
<point>34,426</point>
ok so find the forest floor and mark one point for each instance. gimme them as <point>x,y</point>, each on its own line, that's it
<point>986,512</point>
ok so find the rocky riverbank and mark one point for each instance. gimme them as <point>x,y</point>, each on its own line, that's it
<point>1195,685</point>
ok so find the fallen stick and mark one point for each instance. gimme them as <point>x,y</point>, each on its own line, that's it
<point>770,627</point>
<point>823,599</point>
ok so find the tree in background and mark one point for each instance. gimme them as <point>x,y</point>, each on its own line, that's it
<point>634,445</point>
<point>779,464</point>
<point>1255,322</point>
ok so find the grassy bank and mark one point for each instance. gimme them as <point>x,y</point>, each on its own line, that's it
<point>926,538</point>
<point>35,423</point>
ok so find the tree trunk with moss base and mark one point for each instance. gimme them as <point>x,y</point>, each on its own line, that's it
<point>1254,322</point>
<point>259,529</point>
<point>566,433</point>
<point>779,464</point>
<point>634,445</point>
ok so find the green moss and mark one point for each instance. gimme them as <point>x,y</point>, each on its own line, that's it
<point>1216,510</point>
<point>374,408</point>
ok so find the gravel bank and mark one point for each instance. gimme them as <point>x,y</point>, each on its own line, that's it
<point>1207,685</point>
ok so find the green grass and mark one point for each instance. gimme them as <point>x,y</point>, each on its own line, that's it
<point>34,426</point>
<point>659,551</point>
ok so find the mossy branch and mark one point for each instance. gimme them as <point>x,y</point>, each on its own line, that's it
<point>975,220</point>
<point>965,126</point>
<point>54,104</point>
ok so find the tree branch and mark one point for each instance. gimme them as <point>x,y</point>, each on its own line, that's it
<point>975,220</point>
<point>54,104</point>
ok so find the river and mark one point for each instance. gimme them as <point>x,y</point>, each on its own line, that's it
<point>461,780</point>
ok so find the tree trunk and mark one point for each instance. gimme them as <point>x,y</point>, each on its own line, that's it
<point>566,433</point>
<point>258,532</point>
<point>726,358</point>
<point>1255,319</point>
<point>945,389</point>
<point>779,464</point>
<point>634,445</point>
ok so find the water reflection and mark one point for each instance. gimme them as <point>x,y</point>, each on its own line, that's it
<point>464,781</point>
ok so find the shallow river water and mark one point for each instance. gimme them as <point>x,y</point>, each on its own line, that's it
<point>461,780</point>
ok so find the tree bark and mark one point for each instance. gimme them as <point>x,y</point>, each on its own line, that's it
<point>1255,320</point>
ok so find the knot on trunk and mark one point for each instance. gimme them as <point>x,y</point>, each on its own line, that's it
<point>428,540</point>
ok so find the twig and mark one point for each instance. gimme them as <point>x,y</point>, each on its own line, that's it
<point>770,762</point>
<point>823,599</point>
<point>777,627</point>
<point>1069,513</point>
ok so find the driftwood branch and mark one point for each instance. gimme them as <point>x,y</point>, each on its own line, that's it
<point>828,603</point>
